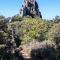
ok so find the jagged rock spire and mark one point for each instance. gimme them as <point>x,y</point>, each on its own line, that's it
<point>30,8</point>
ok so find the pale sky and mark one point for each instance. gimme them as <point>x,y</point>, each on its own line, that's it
<point>49,8</point>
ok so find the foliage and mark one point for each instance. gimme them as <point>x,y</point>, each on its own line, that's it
<point>28,29</point>
<point>2,17</point>
<point>57,17</point>
<point>32,29</point>
<point>48,53</point>
<point>54,33</point>
<point>16,18</point>
<point>3,37</point>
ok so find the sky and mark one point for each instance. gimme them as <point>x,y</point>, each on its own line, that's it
<point>49,8</point>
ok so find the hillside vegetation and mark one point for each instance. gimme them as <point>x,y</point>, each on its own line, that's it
<point>21,31</point>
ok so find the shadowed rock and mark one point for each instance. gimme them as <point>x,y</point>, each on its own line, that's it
<point>30,8</point>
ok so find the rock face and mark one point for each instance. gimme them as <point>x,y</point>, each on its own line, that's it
<point>30,8</point>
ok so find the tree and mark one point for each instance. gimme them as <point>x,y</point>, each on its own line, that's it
<point>56,19</point>
<point>2,17</point>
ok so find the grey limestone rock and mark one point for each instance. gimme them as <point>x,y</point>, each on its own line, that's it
<point>30,8</point>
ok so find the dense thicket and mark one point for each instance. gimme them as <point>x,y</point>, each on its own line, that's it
<point>20,31</point>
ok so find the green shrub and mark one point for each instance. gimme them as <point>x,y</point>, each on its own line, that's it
<point>32,28</point>
<point>54,33</point>
<point>16,18</point>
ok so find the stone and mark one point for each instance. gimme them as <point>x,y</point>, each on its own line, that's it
<point>30,8</point>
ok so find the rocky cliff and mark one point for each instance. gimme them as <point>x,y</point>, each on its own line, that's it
<point>30,8</point>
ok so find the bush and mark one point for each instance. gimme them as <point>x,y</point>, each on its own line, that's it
<point>44,54</point>
<point>32,28</point>
<point>54,33</point>
<point>16,18</point>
